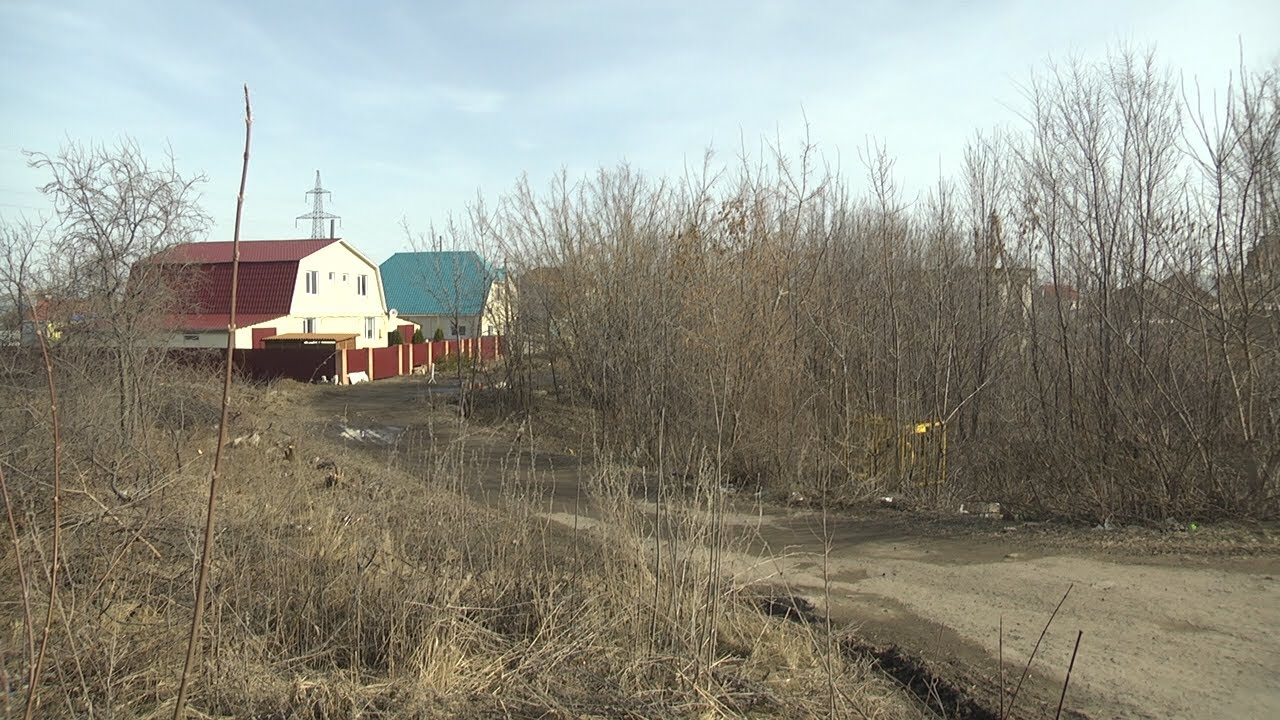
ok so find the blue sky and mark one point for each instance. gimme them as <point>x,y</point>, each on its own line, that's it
<point>411,108</point>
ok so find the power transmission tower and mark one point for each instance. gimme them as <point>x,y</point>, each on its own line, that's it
<point>317,216</point>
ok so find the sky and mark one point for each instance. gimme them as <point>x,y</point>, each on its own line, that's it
<point>411,110</point>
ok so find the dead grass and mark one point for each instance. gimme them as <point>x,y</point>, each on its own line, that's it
<point>345,588</point>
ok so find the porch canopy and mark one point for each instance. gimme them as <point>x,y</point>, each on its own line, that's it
<point>339,341</point>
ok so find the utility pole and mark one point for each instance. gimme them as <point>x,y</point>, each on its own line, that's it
<point>317,216</point>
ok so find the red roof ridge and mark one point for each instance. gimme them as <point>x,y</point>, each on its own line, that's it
<point>251,251</point>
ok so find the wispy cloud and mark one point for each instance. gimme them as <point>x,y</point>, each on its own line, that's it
<point>428,97</point>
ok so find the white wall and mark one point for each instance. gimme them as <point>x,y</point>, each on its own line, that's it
<point>498,307</point>
<point>336,304</point>
<point>429,323</point>
<point>201,339</point>
<point>216,338</point>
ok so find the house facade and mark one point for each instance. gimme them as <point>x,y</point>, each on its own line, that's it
<point>455,292</point>
<point>319,286</point>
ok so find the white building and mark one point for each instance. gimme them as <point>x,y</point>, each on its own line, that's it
<point>285,286</point>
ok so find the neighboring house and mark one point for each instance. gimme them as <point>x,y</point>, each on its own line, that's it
<point>50,317</point>
<point>542,294</point>
<point>1177,300</point>
<point>454,292</point>
<point>1052,295</point>
<point>1263,260</point>
<point>285,286</point>
<point>1262,274</point>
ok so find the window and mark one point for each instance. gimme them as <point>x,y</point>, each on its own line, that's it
<point>191,338</point>
<point>313,281</point>
<point>457,330</point>
<point>308,325</point>
<point>331,276</point>
<point>344,277</point>
<point>362,285</point>
<point>369,324</point>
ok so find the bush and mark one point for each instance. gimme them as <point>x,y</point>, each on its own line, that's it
<point>418,337</point>
<point>394,338</point>
<point>454,362</point>
<point>439,335</point>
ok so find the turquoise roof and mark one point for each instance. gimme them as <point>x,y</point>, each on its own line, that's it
<point>436,283</point>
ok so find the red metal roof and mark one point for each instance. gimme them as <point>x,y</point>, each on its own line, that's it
<point>251,251</point>
<point>1066,292</point>
<point>265,291</point>
<point>201,273</point>
<point>58,310</point>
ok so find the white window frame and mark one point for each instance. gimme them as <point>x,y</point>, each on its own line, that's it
<point>370,327</point>
<point>362,284</point>
<point>313,282</point>
<point>308,325</point>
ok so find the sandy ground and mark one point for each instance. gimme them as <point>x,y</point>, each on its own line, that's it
<point>1163,636</point>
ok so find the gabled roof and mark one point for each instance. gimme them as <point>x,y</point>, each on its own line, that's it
<point>437,283</point>
<point>265,291</point>
<point>251,251</point>
<point>201,275</point>
<point>49,309</point>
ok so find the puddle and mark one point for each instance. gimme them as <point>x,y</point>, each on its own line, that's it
<point>385,435</point>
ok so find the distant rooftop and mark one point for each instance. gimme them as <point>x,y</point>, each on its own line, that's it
<point>437,283</point>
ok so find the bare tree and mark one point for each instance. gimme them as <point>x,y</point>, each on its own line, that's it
<point>802,335</point>
<point>23,244</point>
<point>114,207</point>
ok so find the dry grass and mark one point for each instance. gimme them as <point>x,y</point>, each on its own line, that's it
<point>344,588</point>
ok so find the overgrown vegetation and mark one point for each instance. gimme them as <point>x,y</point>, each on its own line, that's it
<point>1083,322</point>
<point>338,586</point>
<point>341,588</point>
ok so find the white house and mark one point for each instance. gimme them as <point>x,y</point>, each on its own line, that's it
<point>285,286</point>
<point>454,292</point>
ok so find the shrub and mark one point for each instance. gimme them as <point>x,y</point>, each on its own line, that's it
<point>418,337</point>
<point>454,362</point>
<point>393,338</point>
<point>439,335</point>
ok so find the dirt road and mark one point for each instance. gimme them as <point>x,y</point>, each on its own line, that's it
<point>1164,636</point>
<point>1179,637</point>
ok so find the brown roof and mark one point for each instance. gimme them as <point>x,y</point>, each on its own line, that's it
<point>319,337</point>
<point>1066,292</point>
